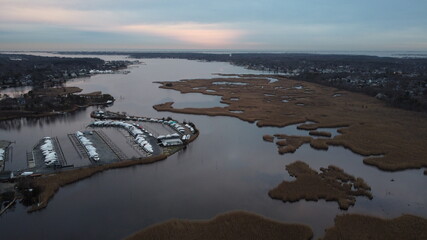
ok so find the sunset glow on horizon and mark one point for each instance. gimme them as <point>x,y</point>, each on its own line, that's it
<point>275,25</point>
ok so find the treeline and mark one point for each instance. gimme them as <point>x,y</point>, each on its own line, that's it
<point>28,70</point>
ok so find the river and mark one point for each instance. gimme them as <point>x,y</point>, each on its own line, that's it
<point>229,167</point>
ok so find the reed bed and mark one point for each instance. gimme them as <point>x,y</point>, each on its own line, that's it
<point>331,184</point>
<point>320,133</point>
<point>367,126</point>
<point>268,138</point>
<point>228,226</point>
<point>361,227</point>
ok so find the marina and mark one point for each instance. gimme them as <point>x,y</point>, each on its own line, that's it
<point>136,138</point>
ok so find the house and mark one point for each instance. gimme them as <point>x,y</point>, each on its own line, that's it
<point>171,142</point>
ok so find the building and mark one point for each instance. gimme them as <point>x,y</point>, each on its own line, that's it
<point>171,142</point>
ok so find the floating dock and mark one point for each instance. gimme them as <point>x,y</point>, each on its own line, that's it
<point>5,152</point>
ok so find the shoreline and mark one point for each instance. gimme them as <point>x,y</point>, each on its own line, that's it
<point>233,225</point>
<point>387,137</point>
<point>246,225</point>
<point>62,93</point>
<point>38,189</point>
<point>50,184</point>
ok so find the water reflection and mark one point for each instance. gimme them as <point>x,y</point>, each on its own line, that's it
<point>15,92</point>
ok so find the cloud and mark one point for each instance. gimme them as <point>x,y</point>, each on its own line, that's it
<point>196,33</point>
<point>210,35</point>
<point>193,24</point>
<point>57,16</point>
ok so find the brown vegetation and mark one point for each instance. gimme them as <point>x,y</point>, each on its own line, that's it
<point>371,128</point>
<point>360,227</point>
<point>290,143</point>
<point>281,143</point>
<point>268,138</point>
<point>232,226</point>
<point>332,184</point>
<point>96,93</point>
<point>50,184</point>
<point>56,91</point>
<point>320,133</point>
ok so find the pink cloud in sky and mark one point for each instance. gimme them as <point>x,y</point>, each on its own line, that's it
<point>195,33</point>
<point>56,16</point>
<point>206,35</point>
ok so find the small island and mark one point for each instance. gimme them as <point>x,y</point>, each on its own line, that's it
<point>361,227</point>
<point>17,70</point>
<point>50,101</point>
<point>229,226</point>
<point>332,184</point>
<point>244,225</point>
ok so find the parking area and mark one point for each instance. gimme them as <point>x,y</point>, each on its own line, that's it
<point>157,129</point>
<point>108,141</point>
<point>104,150</point>
<point>123,141</point>
<point>38,162</point>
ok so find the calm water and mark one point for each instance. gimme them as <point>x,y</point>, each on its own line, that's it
<point>229,167</point>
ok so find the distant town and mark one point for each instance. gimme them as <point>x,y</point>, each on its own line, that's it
<point>18,70</point>
<point>50,101</point>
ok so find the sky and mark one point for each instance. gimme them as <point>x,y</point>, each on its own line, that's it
<point>282,25</point>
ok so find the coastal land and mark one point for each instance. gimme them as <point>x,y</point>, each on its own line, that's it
<point>43,102</point>
<point>391,139</point>
<point>46,186</point>
<point>228,226</point>
<point>398,80</point>
<point>17,70</point>
<point>332,184</point>
<point>244,225</point>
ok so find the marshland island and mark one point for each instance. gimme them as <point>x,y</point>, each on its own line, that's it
<point>390,139</point>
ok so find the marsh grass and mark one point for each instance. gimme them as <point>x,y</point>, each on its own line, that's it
<point>368,126</point>
<point>228,226</point>
<point>331,184</point>
<point>320,133</point>
<point>361,227</point>
<point>268,138</point>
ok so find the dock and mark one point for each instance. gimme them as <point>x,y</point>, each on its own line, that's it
<point>120,155</point>
<point>78,146</point>
<point>6,145</point>
<point>35,158</point>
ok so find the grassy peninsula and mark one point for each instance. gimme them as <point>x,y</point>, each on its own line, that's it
<point>391,139</point>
